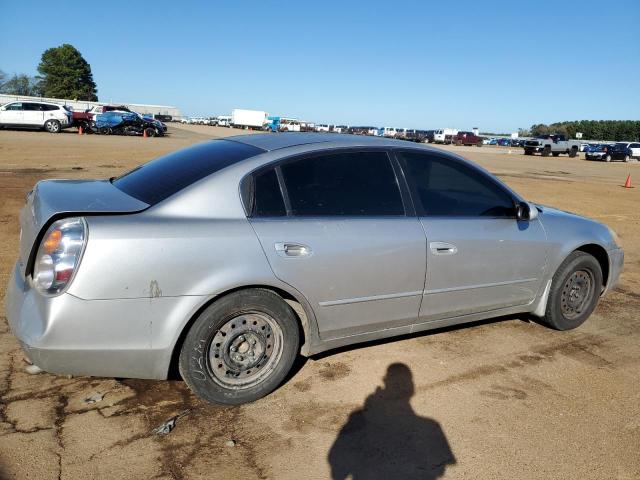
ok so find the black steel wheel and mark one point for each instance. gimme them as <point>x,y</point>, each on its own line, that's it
<point>240,348</point>
<point>575,291</point>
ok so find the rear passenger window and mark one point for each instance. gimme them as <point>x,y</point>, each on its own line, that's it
<point>451,189</point>
<point>343,184</point>
<point>268,198</point>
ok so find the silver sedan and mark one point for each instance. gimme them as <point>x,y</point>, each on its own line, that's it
<point>230,258</point>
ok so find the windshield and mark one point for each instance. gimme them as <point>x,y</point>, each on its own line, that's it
<point>158,179</point>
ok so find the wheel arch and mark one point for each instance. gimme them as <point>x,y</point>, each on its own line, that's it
<point>601,255</point>
<point>301,308</point>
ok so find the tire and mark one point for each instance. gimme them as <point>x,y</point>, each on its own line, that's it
<point>575,290</point>
<point>573,152</point>
<point>626,158</point>
<point>479,144</point>
<point>52,126</point>
<point>458,143</point>
<point>546,151</point>
<point>151,132</point>
<point>217,357</point>
<point>607,158</point>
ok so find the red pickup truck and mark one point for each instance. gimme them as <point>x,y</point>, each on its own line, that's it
<point>467,138</point>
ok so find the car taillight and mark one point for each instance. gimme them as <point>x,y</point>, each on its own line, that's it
<point>59,255</point>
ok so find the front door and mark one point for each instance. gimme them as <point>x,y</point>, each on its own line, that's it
<point>340,236</point>
<point>13,114</point>
<point>479,257</point>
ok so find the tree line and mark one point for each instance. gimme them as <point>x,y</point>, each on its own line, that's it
<point>615,130</point>
<point>62,73</point>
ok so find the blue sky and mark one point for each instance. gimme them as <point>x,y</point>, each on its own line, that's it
<point>496,65</point>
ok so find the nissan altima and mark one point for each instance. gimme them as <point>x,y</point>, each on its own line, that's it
<point>230,258</point>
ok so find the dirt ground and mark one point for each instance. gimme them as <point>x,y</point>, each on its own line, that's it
<point>502,399</point>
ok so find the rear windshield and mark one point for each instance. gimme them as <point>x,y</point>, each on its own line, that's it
<point>158,179</point>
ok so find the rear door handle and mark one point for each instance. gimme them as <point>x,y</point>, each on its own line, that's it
<point>443,248</point>
<point>287,249</point>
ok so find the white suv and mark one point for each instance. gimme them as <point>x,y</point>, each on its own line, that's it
<point>50,116</point>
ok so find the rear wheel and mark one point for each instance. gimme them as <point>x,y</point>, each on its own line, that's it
<point>626,158</point>
<point>52,126</point>
<point>240,348</point>
<point>575,290</point>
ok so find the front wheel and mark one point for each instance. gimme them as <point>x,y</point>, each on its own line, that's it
<point>626,158</point>
<point>607,158</point>
<point>52,126</point>
<point>546,151</point>
<point>240,348</point>
<point>575,290</point>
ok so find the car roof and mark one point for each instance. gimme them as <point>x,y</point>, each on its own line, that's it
<point>277,141</point>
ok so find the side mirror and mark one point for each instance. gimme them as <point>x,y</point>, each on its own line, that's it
<point>526,212</point>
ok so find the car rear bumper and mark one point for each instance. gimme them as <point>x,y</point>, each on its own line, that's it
<point>111,338</point>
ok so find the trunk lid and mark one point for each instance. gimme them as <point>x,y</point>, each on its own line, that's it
<point>52,199</point>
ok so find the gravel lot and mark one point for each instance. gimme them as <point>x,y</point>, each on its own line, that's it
<point>501,399</point>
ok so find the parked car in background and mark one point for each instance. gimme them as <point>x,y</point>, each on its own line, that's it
<point>551,145</point>
<point>635,149</point>
<point>504,142</point>
<point>322,127</point>
<point>51,117</point>
<point>599,152</point>
<point>163,118</point>
<point>444,135</point>
<point>429,135</point>
<point>390,132</point>
<point>467,138</point>
<point>319,243</point>
<point>128,123</point>
<point>224,121</point>
<point>621,151</point>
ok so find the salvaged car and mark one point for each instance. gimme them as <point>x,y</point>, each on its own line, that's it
<point>230,258</point>
<point>128,123</point>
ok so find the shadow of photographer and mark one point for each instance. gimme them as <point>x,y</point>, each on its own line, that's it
<point>385,439</point>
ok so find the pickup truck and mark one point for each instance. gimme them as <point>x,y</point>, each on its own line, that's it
<point>467,138</point>
<point>551,145</point>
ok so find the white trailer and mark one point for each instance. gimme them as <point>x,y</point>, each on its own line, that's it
<point>248,118</point>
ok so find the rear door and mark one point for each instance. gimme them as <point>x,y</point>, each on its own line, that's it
<point>33,114</point>
<point>479,257</point>
<point>334,226</point>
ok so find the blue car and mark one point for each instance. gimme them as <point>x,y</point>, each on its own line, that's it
<point>128,123</point>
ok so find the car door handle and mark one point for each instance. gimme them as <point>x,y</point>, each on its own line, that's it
<point>443,248</point>
<point>286,249</point>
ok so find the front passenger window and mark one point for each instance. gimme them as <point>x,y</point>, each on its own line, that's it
<point>448,188</point>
